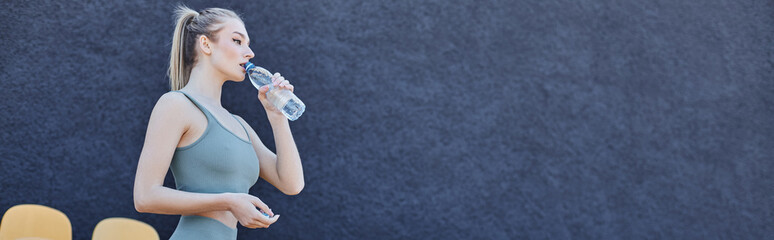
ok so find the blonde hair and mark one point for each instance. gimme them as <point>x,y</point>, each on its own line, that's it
<point>189,26</point>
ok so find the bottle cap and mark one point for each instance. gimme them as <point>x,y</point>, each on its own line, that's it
<point>249,65</point>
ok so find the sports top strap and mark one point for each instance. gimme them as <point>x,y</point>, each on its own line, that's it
<point>202,108</point>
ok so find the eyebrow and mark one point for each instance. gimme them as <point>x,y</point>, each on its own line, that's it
<point>243,36</point>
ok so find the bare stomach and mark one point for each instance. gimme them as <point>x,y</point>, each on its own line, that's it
<point>225,217</point>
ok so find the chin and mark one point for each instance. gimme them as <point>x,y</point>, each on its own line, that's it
<point>238,78</point>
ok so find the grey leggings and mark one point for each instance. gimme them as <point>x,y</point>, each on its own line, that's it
<point>202,228</point>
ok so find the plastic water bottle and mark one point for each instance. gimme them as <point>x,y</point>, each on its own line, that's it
<point>282,99</point>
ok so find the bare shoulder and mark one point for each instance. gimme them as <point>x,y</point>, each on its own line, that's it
<point>172,98</point>
<point>171,108</point>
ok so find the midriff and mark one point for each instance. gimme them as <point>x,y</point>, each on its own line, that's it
<point>225,217</point>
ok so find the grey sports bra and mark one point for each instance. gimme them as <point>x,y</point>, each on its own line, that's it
<point>219,161</point>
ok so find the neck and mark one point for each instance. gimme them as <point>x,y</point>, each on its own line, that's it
<point>206,83</point>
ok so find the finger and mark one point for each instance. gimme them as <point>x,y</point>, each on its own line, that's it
<point>248,224</point>
<point>273,219</point>
<point>275,77</point>
<point>279,80</point>
<point>262,220</point>
<point>261,224</point>
<point>271,214</point>
<point>284,83</point>
<point>267,220</point>
<point>256,224</point>
<point>258,203</point>
<point>262,92</point>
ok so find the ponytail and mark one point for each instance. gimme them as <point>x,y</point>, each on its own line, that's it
<point>188,27</point>
<point>179,71</point>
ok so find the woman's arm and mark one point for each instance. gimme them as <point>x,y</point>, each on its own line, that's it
<point>283,170</point>
<point>165,128</point>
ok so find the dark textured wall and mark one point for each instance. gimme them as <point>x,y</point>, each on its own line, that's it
<point>537,119</point>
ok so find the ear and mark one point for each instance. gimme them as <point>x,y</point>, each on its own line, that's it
<point>204,44</point>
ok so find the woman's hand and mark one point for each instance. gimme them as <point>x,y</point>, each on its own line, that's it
<point>278,82</point>
<point>242,206</point>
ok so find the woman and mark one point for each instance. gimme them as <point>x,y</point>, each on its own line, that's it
<point>215,157</point>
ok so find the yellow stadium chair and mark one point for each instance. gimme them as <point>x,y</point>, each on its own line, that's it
<point>123,229</point>
<point>38,222</point>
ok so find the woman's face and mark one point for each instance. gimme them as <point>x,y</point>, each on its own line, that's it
<point>231,51</point>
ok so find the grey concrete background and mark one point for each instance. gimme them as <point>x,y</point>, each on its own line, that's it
<point>426,119</point>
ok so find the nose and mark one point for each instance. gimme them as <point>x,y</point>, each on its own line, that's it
<point>249,54</point>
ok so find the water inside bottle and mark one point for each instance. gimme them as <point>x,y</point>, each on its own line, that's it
<point>291,106</point>
<point>293,110</point>
<point>259,77</point>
